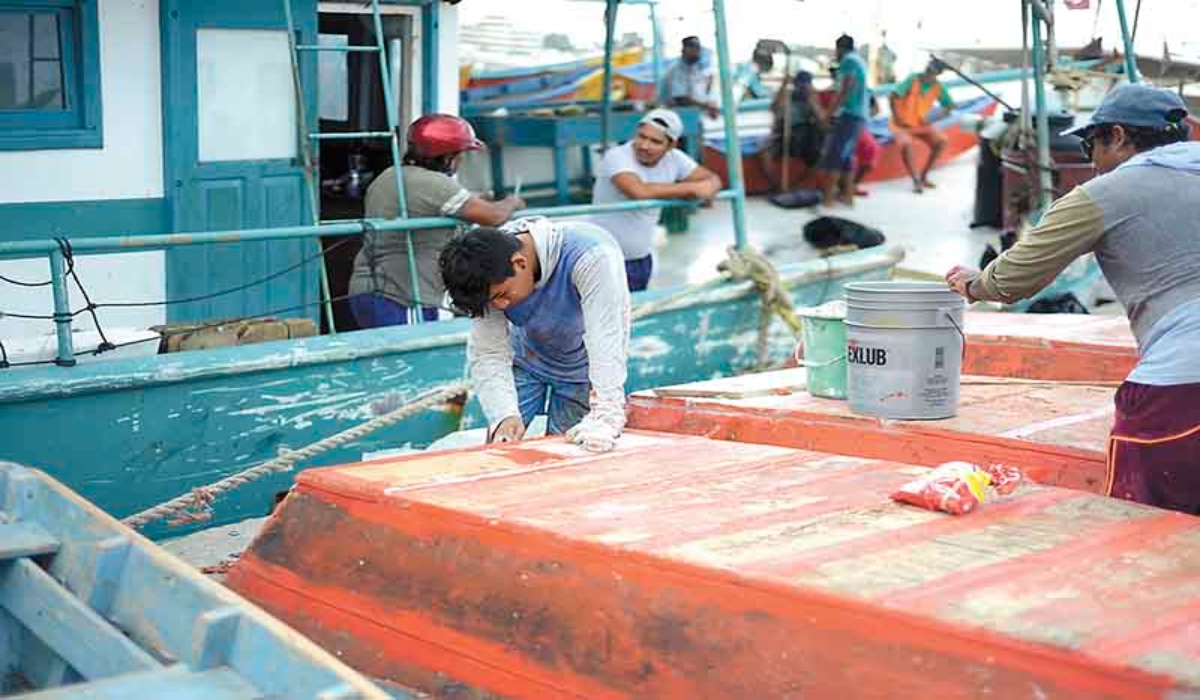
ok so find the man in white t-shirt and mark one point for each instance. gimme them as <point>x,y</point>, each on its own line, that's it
<point>647,167</point>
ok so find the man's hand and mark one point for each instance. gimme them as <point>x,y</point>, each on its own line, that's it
<point>960,278</point>
<point>515,202</point>
<point>593,435</point>
<point>510,429</point>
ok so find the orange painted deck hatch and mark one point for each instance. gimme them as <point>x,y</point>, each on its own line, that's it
<point>1068,347</point>
<point>1056,433</point>
<point>682,567</point>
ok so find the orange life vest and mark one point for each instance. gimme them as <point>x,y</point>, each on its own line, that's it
<point>910,108</point>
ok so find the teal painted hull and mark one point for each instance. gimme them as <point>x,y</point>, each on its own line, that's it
<point>128,434</point>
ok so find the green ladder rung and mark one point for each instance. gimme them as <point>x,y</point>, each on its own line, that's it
<point>25,539</point>
<point>350,135</point>
<point>345,49</point>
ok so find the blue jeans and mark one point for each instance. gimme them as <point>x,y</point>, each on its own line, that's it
<point>568,401</point>
<point>375,311</point>
<point>840,142</point>
<point>638,272</point>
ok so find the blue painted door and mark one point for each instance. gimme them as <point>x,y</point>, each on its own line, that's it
<point>232,156</point>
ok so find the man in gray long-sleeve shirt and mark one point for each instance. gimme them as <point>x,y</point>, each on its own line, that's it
<point>1141,217</point>
<point>551,327</point>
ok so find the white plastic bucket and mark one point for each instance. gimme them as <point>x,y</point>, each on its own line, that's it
<point>904,349</point>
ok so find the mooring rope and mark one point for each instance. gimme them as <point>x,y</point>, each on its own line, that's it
<point>195,506</point>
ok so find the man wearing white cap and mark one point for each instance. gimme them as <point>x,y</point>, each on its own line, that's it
<point>647,167</point>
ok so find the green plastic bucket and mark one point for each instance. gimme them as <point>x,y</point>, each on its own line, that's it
<point>822,349</point>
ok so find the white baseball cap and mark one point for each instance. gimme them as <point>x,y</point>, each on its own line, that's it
<point>666,120</point>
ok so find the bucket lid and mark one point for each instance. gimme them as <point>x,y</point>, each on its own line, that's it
<point>902,286</point>
<point>830,310</point>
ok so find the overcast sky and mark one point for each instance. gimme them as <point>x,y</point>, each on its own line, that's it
<point>910,24</point>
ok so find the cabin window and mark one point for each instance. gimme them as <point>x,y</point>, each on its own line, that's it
<point>49,74</point>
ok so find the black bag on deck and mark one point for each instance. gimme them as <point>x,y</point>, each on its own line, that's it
<point>796,199</point>
<point>829,231</point>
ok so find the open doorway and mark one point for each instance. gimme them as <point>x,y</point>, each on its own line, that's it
<point>350,100</point>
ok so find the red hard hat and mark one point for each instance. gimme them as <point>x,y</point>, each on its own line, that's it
<point>436,135</point>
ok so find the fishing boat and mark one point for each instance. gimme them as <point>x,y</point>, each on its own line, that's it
<point>222,218</point>
<point>89,608</point>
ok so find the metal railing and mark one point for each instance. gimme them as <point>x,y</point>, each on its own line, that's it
<point>53,249</point>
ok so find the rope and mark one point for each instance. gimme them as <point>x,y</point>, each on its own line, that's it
<point>754,266</point>
<point>196,505</point>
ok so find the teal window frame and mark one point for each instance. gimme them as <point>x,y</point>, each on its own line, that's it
<point>79,125</point>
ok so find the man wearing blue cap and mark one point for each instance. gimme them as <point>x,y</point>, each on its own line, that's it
<point>1141,217</point>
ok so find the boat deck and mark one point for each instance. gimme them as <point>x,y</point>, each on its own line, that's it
<point>1055,432</point>
<point>679,566</point>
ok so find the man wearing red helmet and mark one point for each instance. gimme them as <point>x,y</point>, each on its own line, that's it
<point>381,288</point>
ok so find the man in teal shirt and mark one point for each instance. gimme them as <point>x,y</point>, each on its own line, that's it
<point>850,110</point>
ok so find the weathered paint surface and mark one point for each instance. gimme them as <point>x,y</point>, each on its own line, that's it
<point>1067,347</point>
<point>680,567</point>
<point>128,434</point>
<point>1056,433</point>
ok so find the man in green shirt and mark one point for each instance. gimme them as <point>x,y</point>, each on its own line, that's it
<point>850,109</point>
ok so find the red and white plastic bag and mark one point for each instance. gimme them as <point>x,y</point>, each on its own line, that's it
<point>959,487</point>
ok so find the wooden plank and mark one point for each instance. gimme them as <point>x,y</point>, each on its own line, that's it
<point>213,637</point>
<point>74,631</point>
<point>94,571</point>
<point>25,539</point>
<point>174,682</point>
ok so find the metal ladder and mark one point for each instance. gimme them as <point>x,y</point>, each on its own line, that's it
<point>309,138</point>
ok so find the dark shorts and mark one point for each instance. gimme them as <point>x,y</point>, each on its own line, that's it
<point>840,142</point>
<point>637,272</point>
<point>375,311</point>
<point>1154,449</point>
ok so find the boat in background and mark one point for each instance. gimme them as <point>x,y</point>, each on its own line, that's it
<point>890,166</point>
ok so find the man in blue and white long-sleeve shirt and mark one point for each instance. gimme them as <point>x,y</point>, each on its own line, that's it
<point>551,316</point>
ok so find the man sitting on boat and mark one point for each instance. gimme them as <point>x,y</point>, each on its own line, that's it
<point>1139,218</point>
<point>806,133</point>
<point>551,327</point>
<point>381,285</point>
<point>689,82</point>
<point>911,102</point>
<point>647,167</point>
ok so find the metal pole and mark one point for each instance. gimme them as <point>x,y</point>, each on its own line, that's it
<point>1051,41</point>
<point>1131,71</point>
<point>656,37</point>
<point>1026,116</point>
<point>1044,176</point>
<point>127,244</point>
<point>389,103</point>
<point>310,178</point>
<point>62,309</point>
<point>733,150</point>
<point>610,28</point>
<point>785,174</point>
